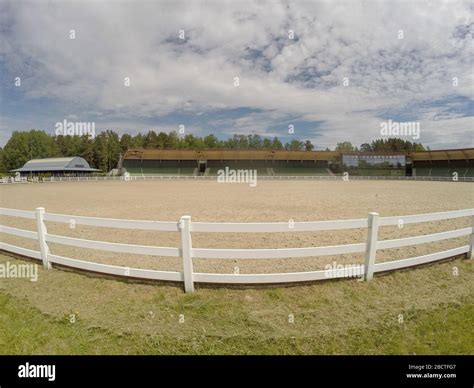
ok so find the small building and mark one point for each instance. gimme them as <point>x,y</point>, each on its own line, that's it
<point>70,166</point>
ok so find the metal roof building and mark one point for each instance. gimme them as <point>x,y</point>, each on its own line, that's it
<point>72,166</point>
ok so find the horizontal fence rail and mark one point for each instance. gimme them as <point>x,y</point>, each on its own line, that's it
<point>17,213</point>
<point>113,247</point>
<point>19,232</point>
<point>274,227</point>
<point>187,253</point>
<point>166,226</point>
<point>384,221</point>
<point>117,270</point>
<point>403,263</point>
<point>276,253</point>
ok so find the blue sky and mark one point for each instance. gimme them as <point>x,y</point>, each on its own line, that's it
<point>283,81</point>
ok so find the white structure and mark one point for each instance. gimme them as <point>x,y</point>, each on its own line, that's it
<point>186,251</point>
<point>67,165</point>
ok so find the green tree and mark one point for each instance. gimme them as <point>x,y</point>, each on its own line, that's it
<point>106,150</point>
<point>365,147</point>
<point>173,140</point>
<point>2,167</point>
<point>395,144</point>
<point>308,146</point>
<point>87,149</point>
<point>151,140</point>
<point>138,141</point>
<point>231,143</point>
<point>125,142</point>
<point>211,141</point>
<point>295,145</point>
<point>277,144</point>
<point>68,145</point>
<point>242,142</point>
<point>113,149</point>
<point>162,140</point>
<point>100,152</point>
<point>345,146</point>
<point>23,146</point>
<point>267,143</point>
<point>254,141</point>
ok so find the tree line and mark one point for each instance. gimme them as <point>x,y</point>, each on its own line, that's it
<point>103,151</point>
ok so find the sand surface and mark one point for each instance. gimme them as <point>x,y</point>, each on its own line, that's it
<point>270,201</point>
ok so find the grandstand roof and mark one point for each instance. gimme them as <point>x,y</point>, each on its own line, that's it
<point>70,164</point>
<point>453,154</point>
<point>224,154</point>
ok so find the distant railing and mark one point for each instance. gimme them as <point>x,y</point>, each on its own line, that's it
<point>15,179</point>
<point>214,177</point>
<point>187,252</point>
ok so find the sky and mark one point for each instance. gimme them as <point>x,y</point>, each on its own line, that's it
<point>334,70</point>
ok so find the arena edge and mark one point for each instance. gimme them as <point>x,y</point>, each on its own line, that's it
<point>188,253</point>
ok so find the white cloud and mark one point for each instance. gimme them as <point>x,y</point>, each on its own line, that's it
<point>300,79</point>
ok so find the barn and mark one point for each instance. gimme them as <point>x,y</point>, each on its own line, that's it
<point>69,166</point>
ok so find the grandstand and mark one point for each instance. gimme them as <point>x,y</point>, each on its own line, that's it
<point>209,162</point>
<point>438,163</point>
<point>444,163</point>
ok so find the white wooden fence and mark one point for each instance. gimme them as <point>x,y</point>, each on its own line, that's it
<point>11,180</point>
<point>187,252</point>
<point>14,179</point>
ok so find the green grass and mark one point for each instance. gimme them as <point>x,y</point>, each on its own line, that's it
<point>25,330</point>
<point>331,317</point>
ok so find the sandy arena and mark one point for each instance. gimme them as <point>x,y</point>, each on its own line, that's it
<point>270,201</point>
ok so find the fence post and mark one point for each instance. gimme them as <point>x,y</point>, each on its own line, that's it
<point>42,232</point>
<point>186,246</point>
<point>470,254</point>
<point>371,250</point>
